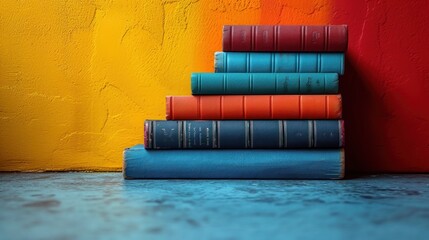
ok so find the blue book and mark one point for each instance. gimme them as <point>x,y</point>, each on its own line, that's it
<point>264,83</point>
<point>255,62</point>
<point>140,163</point>
<point>209,134</point>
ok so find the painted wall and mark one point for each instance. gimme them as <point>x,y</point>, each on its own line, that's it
<point>386,86</point>
<point>78,78</point>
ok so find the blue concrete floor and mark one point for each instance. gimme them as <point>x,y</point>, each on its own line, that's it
<point>104,206</point>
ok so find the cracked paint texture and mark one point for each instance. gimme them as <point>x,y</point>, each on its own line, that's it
<point>79,77</point>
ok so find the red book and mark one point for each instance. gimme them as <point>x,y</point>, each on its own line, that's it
<point>286,38</point>
<point>254,107</point>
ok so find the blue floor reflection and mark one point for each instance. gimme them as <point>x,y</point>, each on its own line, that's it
<point>103,205</point>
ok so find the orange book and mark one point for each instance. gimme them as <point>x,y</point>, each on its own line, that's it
<point>254,107</point>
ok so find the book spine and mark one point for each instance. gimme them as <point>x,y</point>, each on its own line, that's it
<point>199,134</point>
<point>290,38</point>
<point>140,163</point>
<point>264,83</point>
<point>163,134</point>
<point>252,62</point>
<point>243,134</point>
<point>253,107</point>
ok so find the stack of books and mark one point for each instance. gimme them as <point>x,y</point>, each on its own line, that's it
<point>271,110</point>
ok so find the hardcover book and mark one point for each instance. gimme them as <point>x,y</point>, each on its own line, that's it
<point>161,134</point>
<point>253,107</point>
<point>285,38</point>
<point>140,163</point>
<point>254,62</point>
<point>264,83</point>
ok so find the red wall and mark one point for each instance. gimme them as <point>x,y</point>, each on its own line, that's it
<point>386,85</point>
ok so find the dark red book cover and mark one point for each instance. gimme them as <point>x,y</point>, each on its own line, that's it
<point>285,38</point>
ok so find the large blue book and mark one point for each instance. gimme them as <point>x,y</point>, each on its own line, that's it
<point>209,134</point>
<point>140,163</point>
<point>264,83</point>
<point>255,62</point>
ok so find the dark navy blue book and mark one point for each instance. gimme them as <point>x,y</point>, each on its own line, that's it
<point>264,83</point>
<point>211,134</point>
<point>141,163</point>
<point>265,62</point>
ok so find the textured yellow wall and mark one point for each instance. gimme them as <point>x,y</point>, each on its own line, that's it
<point>78,77</point>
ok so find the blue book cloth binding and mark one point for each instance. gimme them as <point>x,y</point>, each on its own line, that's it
<point>253,62</point>
<point>264,83</point>
<point>170,134</point>
<point>140,163</point>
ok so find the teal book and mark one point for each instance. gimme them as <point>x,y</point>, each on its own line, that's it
<point>140,163</point>
<point>275,62</point>
<point>264,83</point>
